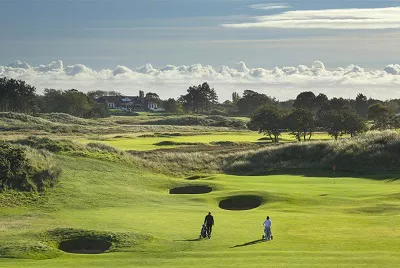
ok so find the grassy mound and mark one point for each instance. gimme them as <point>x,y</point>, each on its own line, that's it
<point>172,143</point>
<point>166,135</point>
<point>95,150</point>
<point>25,169</point>
<point>16,122</point>
<point>21,117</point>
<point>230,143</point>
<point>51,145</point>
<point>64,118</point>
<point>196,177</point>
<point>68,119</point>
<point>214,121</point>
<point>372,152</point>
<point>191,189</point>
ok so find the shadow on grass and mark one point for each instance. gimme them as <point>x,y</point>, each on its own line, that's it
<point>249,243</point>
<point>390,176</point>
<point>189,240</point>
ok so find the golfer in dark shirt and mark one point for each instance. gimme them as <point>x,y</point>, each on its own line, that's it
<point>209,222</point>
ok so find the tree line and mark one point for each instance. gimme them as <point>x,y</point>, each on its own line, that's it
<point>310,113</point>
<point>17,96</point>
<point>302,115</point>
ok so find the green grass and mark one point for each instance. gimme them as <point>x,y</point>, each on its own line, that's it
<point>317,221</point>
<point>134,142</point>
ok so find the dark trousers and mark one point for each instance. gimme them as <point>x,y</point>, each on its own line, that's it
<point>209,229</point>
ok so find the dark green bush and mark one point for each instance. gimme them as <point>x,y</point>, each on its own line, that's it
<point>25,169</point>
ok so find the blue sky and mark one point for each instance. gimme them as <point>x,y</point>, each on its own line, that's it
<point>106,33</point>
<point>280,48</point>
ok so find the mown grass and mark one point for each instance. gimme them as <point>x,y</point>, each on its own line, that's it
<point>145,143</point>
<point>314,220</point>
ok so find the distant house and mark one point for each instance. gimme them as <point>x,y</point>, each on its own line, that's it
<point>129,103</point>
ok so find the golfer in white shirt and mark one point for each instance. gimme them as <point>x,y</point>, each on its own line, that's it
<point>267,228</point>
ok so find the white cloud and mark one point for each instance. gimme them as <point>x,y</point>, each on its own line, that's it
<point>368,18</point>
<point>270,6</point>
<point>172,81</point>
<point>121,70</point>
<point>393,69</point>
<point>18,64</point>
<point>52,66</point>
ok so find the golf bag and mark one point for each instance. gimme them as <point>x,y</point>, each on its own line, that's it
<point>203,232</point>
<point>272,237</point>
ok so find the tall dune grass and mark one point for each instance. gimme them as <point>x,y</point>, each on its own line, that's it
<point>372,152</point>
<point>26,169</point>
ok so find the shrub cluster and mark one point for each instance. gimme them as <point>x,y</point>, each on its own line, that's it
<point>213,121</point>
<point>26,169</point>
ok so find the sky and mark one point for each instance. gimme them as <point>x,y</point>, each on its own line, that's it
<point>279,48</point>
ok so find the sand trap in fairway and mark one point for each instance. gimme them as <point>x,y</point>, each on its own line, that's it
<point>85,246</point>
<point>192,189</point>
<point>241,202</point>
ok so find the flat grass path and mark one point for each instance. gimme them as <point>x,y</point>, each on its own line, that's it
<point>317,222</point>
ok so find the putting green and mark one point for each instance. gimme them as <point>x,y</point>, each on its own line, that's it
<point>317,222</point>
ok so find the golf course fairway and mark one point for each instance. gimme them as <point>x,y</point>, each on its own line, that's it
<point>325,221</point>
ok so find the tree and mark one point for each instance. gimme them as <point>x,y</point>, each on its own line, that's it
<point>95,94</point>
<point>17,96</point>
<point>72,102</point>
<point>301,122</point>
<point>353,123</point>
<point>251,101</point>
<point>305,100</point>
<point>320,102</point>
<point>235,97</point>
<point>199,98</point>
<point>383,117</point>
<point>152,97</point>
<point>339,104</point>
<point>345,121</point>
<point>269,120</point>
<point>332,122</point>
<point>171,106</point>
<point>361,105</point>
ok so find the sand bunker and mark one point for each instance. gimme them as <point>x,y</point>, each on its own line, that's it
<point>241,202</point>
<point>193,189</point>
<point>85,246</point>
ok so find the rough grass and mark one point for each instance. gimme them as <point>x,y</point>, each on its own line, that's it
<point>23,168</point>
<point>374,152</point>
<point>64,124</point>
<point>214,121</point>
